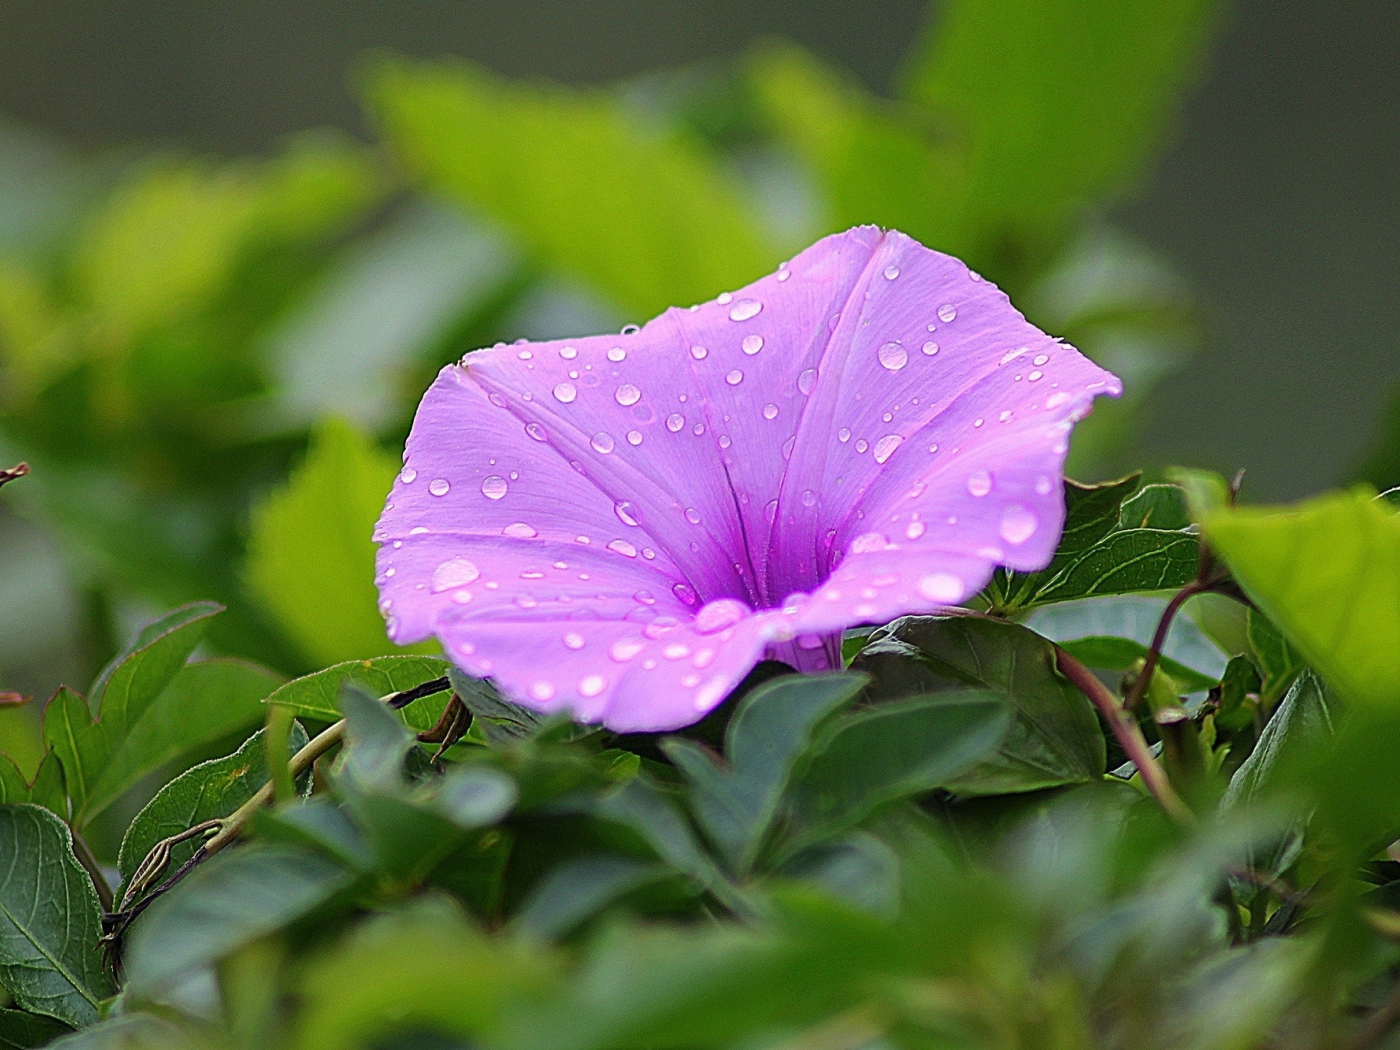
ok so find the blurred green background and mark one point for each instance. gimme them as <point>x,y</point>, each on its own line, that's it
<point>227,227</point>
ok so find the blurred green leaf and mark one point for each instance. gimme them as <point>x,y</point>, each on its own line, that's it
<point>1054,108</point>
<point>204,702</point>
<point>1278,661</point>
<point>647,218</point>
<point>136,1031</point>
<point>1326,571</point>
<point>211,789</point>
<point>642,806</point>
<point>737,801</point>
<point>576,890</point>
<point>230,900</point>
<point>1054,736</point>
<point>50,962</point>
<point>318,695</point>
<point>310,555</point>
<point>1303,726</point>
<point>25,1031</point>
<point>376,743</point>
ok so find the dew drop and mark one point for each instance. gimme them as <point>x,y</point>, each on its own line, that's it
<point>843,435</point>
<point>1040,359</point>
<point>1018,524</point>
<point>541,690</point>
<point>526,602</point>
<point>884,448</point>
<point>676,651</point>
<point>862,445</point>
<point>941,587</point>
<point>531,574</point>
<point>891,272</point>
<point>565,392</point>
<point>536,431</point>
<point>1034,376</point>
<point>717,615</point>
<point>745,309</point>
<point>520,530</point>
<point>698,429</point>
<point>788,447</point>
<point>699,353</point>
<point>627,394</point>
<point>617,354</point>
<point>692,515</point>
<point>573,640</point>
<point>455,572</point>
<point>634,437</point>
<point>724,298</point>
<point>979,483</point>
<point>734,378</point>
<point>568,353</point>
<point>893,356</point>
<point>752,344</point>
<point>807,380</point>
<point>625,649</point>
<point>674,422</point>
<point>1042,485</point>
<point>602,442</point>
<point>408,476</point>
<point>783,275</point>
<point>724,441</point>
<point>809,498</point>
<point>623,547</point>
<point>1056,400</point>
<point>930,348</point>
<point>592,685</point>
<point>869,543</point>
<point>947,312</point>
<point>685,593</point>
<point>440,487</point>
<point>915,530</point>
<point>770,510</point>
<point>645,597</point>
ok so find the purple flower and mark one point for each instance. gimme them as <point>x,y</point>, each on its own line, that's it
<point>624,525</point>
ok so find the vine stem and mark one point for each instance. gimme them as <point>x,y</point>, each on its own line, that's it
<point>1128,735</point>
<point>1159,639</point>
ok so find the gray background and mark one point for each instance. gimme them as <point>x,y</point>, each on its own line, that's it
<point>1279,197</point>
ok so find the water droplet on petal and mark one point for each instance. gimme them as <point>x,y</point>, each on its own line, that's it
<point>692,515</point>
<point>674,422</point>
<point>770,411</point>
<point>947,312</point>
<point>698,429</point>
<point>930,348</point>
<point>440,487</point>
<point>634,437</point>
<point>717,615</point>
<point>408,476</point>
<point>627,394</point>
<point>724,441</point>
<point>711,693</point>
<point>565,392</point>
<point>843,435</point>
<point>699,353</point>
<point>1034,376</point>
<point>1056,400</point>
<point>869,543</point>
<point>809,498</point>
<point>541,691</point>
<point>893,356</point>
<point>592,685</point>
<point>891,272</point>
<point>979,483</point>
<point>724,298</point>
<point>734,378</point>
<point>625,649</point>
<point>788,447</point>
<point>915,530</point>
<point>884,448</point>
<point>1040,359</point>
<point>770,510</point>
<point>862,445</point>
<point>573,640</point>
<point>941,587</point>
<point>623,547</point>
<point>685,593</point>
<point>617,354</point>
<point>745,309</point>
<point>1018,524</point>
<point>455,572</point>
<point>536,431</point>
<point>783,275</point>
<point>676,651</point>
<point>568,353</point>
<point>493,487</point>
<point>752,344</point>
<point>520,530</point>
<point>807,380</point>
<point>1042,485</point>
<point>602,442</point>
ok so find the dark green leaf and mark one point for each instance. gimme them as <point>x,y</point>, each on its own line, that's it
<point>1155,507</point>
<point>25,1031</point>
<point>203,703</point>
<point>736,804</point>
<point>376,743</point>
<point>50,961</point>
<point>880,754</point>
<point>473,796</point>
<point>577,890</point>
<point>1128,561</point>
<point>1054,736</point>
<point>318,823</point>
<point>318,695</point>
<point>858,869</point>
<point>46,789</point>
<point>204,792</point>
<point>223,904</point>
<point>1303,726</point>
<point>81,748</point>
<point>140,673</point>
<point>1279,663</point>
<point>641,806</point>
<point>500,720</point>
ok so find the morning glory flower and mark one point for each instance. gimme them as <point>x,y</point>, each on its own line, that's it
<point>623,525</point>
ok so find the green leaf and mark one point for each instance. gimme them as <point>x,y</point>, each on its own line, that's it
<point>310,555</point>
<point>647,218</point>
<point>1155,507</point>
<point>577,890</point>
<point>318,695</point>
<point>135,1031</point>
<point>500,720</point>
<point>1054,736</point>
<point>1279,663</point>
<point>80,746</point>
<point>211,789</point>
<point>1053,109</point>
<point>1327,572</point>
<point>204,702</point>
<point>736,804</point>
<point>230,900</point>
<point>1102,551</point>
<point>24,1031</point>
<point>1205,491</point>
<point>1303,726</point>
<point>640,805</point>
<point>320,824</point>
<point>46,789</point>
<point>890,751</point>
<point>50,962</point>
<point>376,743</point>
